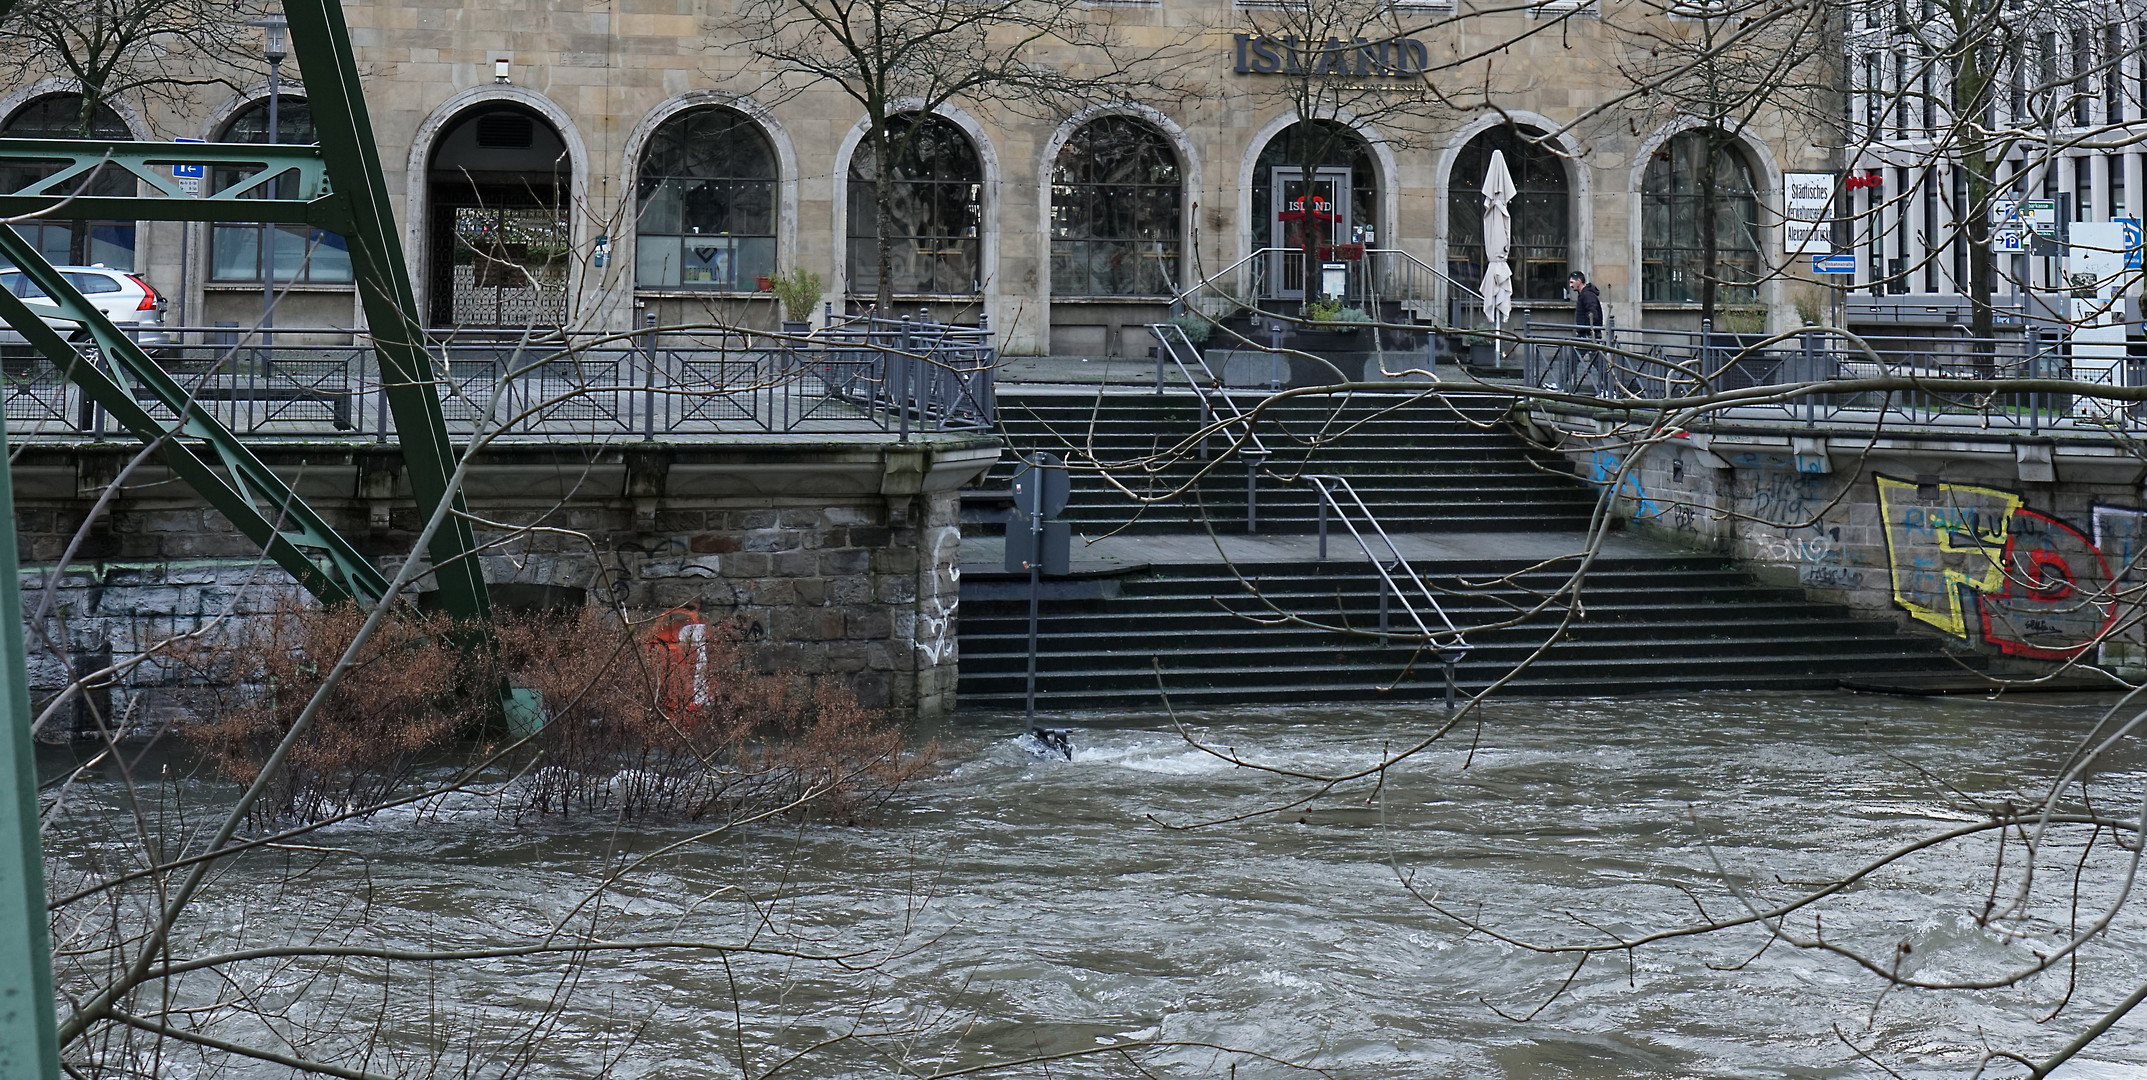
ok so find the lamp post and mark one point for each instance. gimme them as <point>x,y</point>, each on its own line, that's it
<point>275,45</point>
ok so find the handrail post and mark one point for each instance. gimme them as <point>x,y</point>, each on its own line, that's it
<point>1449,662</point>
<point>1162,343</point>
<point>648,379</point>
<point>902,395</point>
<point>1253,460</point>
<point>1382,571</point>
<point>1322,488</point>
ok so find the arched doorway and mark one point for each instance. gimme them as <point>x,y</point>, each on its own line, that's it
<point>498,240</point>
<point>76,243</point>
<point>1541,210</point>
<point>1315,198</point>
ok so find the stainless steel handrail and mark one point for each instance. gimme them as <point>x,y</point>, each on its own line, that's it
<point>1327,484</point>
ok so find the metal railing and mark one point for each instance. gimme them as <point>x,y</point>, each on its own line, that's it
<point>1338,498</point>
<point>1656,363</point>
<point>1172,341</point>
<point>1379,276</point>
<point>861,376</point>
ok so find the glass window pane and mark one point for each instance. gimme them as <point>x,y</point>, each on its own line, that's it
<point>235,253</point>
<point>656,262</point>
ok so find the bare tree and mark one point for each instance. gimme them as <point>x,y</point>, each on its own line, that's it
<point>900,60</point>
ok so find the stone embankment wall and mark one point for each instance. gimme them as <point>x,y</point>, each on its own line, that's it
<point>837,561</point>
<point>2025,546</point>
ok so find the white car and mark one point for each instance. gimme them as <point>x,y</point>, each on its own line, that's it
<point>123,297</point>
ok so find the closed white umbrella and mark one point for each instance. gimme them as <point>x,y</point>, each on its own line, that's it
<point>1498,240</point>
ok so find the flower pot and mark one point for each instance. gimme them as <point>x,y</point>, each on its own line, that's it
<point>798,327</point>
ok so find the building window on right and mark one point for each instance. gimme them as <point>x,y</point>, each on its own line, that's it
<point>1699,223</point>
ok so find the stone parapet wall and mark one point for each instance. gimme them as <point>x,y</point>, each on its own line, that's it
<point>835,560</point>
<point>2026,547</point>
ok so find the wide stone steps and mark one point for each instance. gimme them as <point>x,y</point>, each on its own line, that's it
<point>1650,622</point>
<point>1679,623</point>
<point>1420,466</point>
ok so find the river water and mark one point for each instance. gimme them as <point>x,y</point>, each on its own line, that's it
<point>1015,906</point>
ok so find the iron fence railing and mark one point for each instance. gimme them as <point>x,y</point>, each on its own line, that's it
<point>860,376</point>
<point>1655,363</point>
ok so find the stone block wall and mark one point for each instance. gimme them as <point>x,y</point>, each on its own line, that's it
<point>2030,549</point>
<point>836,562</point>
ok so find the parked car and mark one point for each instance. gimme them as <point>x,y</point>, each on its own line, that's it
<point>123,297</point>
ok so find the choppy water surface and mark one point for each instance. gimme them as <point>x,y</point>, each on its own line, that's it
<point>1017,906</point>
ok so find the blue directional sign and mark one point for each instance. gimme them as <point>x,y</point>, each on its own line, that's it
<point>189,176</point>
<point>1843,262</point>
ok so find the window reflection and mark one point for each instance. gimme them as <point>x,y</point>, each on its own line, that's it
<point>1116,202</point>
<point>935,214</point>
<point>1675,206</point>
<point>79,243</point>
<point>706,204</point>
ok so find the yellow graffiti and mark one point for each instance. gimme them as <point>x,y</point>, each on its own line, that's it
<point>1964,520</point>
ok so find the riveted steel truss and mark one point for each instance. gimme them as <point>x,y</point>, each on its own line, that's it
<point>339,188</point>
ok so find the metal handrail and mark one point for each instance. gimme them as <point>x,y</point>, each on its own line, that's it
<point>1327,484</point>
<point>1202,386</point>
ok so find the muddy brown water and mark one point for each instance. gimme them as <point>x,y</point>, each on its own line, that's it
<point>1015,907</point>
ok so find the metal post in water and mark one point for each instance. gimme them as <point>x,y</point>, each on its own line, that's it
<point>1036,566</point>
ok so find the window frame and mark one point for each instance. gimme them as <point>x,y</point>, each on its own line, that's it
<point>750,256</point>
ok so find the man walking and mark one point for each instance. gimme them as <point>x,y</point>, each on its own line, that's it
<point>1588,327</point>
<point>1587,306</point>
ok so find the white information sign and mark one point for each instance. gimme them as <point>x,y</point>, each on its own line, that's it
<point>1805,200</point>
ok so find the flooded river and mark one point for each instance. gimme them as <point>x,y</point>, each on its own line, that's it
<point>1017,907</point>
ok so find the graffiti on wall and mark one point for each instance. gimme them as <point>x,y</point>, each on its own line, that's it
<point>1603,468</point>
<point>2038,587</point>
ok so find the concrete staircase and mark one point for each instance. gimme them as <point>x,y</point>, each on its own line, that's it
<point>1652,619</point>
<point>1422,468</point>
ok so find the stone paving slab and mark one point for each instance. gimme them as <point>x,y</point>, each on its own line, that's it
<point>1119,554</point>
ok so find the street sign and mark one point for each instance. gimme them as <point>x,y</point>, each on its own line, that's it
<point>1841,262</point>
<point>2132,241</point>
<point>1056,539</point>
<point>2009,241</point>
<point>1041,487</point>
<point>2004,211</point>
<point>189,177</point>
<point>2041,215</point>
<point>1805,198</point>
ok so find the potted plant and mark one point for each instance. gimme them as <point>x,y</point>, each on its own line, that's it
<point>797,289</point>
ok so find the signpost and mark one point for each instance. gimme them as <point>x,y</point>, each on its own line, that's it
<point>1840,262</point>
<point>1035,543</point>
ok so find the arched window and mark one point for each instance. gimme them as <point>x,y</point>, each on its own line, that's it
<point>935,211</point>
<point>707,204</point>
<point>1116,202</point>
<point>298,253</point>
<point>79,243</point>
<point>1541,210</point>
<point>1313,188</point>
<point>1699,222</point>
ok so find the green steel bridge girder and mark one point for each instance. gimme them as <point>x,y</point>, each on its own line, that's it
<point>55,196</point>
<point>255,500</point>
<point>341,189</point>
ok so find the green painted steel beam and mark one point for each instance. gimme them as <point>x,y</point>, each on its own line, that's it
<point>206,455</point>
<point>53,196</point>
<point>29,1040</point>
<point>321,41</point>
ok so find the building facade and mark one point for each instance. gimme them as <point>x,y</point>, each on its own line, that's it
<point>595,165</point>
